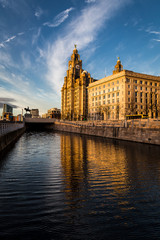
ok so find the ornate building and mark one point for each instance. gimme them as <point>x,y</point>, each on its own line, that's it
<point>74,96</point>
<point>124,93</point>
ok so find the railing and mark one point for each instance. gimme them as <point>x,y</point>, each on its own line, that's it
<point>138,123</point>
<point>6,127</point>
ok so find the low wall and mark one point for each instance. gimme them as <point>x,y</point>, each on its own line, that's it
<point>7,139</point>
<point>135,134</point>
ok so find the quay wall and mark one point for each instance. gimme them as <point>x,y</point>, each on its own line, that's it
<point>128,132</point>
<point>10,137</point>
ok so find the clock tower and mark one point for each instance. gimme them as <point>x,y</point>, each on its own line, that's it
<point>74,97</point>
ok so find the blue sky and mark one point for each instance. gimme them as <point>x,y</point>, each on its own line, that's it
<point>38,36</point>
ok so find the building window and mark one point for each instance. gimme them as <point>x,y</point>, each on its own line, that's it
<point>117,100</point>
<point>112,89</point>
<point>135,106</point>
<point>104,97</point>
<point>141,94</point>
<point>99,98</point>
<point>117,82</point>
<point>146,83</point>
<point>151,83</point>
<point>135,94</point>
<point>96,89</point>
<point>112,83</point>
<point>104,86</point>
<point>141,88</point>
<point>108,84</point>
<point>112,107</point>
<point>108,95</point>
<point>96,98</point>
<point>108,101</point>
<point>112,100</point>
<point>112,94</point>
<point>99,87</point>
<point>146,88</point>
<point>135,81</point>
<point>135,87</point>
<point>108,90</point>
<point>141,107</point>
<point>129,99</point>
<point>117,88</point>
<point>146,95</point>
<point>135,99</point>
<point>141,100</point>
<point>155,84</point>
<point>128,92</point>
<point>128,86</point>
<point>117,93</point>
<point>140,82</point>
<point>103,102</point>
<point>100,92</point>
<point>103,91</point>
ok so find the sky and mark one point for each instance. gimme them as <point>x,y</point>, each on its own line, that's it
<point>37,39</point>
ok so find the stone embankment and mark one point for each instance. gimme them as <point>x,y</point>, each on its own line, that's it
<point>9,133</point>
<point>143,131</point>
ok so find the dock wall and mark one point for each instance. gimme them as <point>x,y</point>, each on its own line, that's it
<point>9,137</point>
<point>125,132</point>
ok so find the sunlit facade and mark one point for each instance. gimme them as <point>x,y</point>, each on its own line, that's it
<point>124,93</point>
<point>74,95</point>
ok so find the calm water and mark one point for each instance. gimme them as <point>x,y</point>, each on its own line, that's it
<point>62,186</point>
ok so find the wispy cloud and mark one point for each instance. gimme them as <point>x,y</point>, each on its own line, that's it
<point>157,40</point>
<point>10,39</point>
<point>90,1</point>
<point>36,36</point>
<point>59,19</point>
<point>153,32</point>
<point>83,30</point>
<point>2,44</point>
<point>38,12</point>
<point>4,3</point>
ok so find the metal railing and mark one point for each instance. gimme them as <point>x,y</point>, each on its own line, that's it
<point>6,127</point>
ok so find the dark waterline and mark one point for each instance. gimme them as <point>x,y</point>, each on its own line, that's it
<point>63,186</point>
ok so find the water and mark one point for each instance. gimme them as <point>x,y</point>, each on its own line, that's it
<point>62,186</point>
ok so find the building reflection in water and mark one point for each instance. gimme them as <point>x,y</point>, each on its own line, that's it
<point>104,171</point>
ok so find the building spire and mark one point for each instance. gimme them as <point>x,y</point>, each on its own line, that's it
<point>75,45</point>
<point>118,67</point>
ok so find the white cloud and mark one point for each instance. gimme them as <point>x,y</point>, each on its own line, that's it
<point>153,32</point>
<point>83,30</point>
<point>10,39</point>
<point>157,40</point>
<point>38,12</point>
<point>36,36</point>
<point>2,45</point>
<point>90,1</point>
<point>26,60</point>
<point>59,19</point>
<point>21,33</point>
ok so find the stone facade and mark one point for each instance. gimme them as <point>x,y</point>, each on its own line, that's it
<point>124,93</point>
<point>74,95</point>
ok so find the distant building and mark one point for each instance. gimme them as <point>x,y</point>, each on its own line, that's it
<point>52,113</point>
<point>74,95</point>
<point>7,112</point>
<point>35,113</point>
